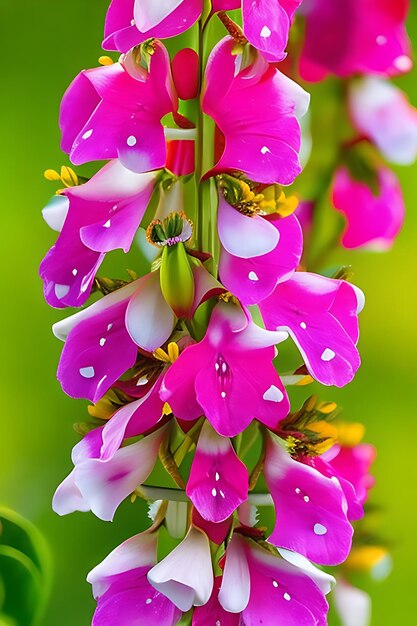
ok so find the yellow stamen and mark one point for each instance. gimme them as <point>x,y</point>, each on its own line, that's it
<point>68,176</point>
<point>166,409</point>
<point>326,431</point>
<point>306,380</point>
<point>327,407</point>
<point>51,175</point>
<point>105,60</point>
<point>170,356</point>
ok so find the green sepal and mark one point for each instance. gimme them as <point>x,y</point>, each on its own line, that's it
<point>177,279</point>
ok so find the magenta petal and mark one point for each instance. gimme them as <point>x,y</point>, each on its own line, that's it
<point>267,24</point>
<point>98,350</point>
<point>253,280</point>
<point>244,236</point>
<point>282,593</point>
<point>264,147</point>
<point>178,385</point>
<point>218,481</point>
<point>213,613</point>
<point>310,509</point>
<point>373,221</point>
<point>321,315</point>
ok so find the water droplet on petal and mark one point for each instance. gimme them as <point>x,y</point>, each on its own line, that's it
<point>320,530</point>
<point>87,372</point>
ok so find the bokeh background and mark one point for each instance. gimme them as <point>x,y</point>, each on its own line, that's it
<point>43,45</point>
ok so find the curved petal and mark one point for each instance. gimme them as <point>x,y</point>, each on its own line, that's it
<point>235,597</point>
<point>55,212</point>
<point>353,605</point>
<point>149,319</point>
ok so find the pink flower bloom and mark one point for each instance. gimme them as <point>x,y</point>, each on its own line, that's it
<point>265,147</point>
<point>100,485</point>
<point>373,221</point>
<point>101,215</point>
<point>130,22</point>
<point>310,509</point>
<point>108,113</point>
<point>355,36</point>
<point>266,23</point>
<point>218,481</point>
<point>321,314</point>
<point>353,464</point>
<point>383,113</point>
<point>228,376</point>
<point>122,591</point>
<point>257,252</point>
<point>101,341</point>
<point>270,590</point>
<point>185,576</point>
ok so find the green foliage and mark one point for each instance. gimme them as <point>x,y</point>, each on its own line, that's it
<point>24,571</point>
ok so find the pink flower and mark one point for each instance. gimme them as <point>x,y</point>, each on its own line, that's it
<point>101,341</point>
<point>373,219</point>
<point>100,484</point>
<point>383,113</point>
<point>218,481</point>
<point>352,464</point>
<point>310,508</point>
<point>263,146</point>
<point>270,589</point>
<point>108,113</point>
<point>257,252</point>
<point>130,22</point>
<point>122,590</point>
<point>355,36</point>
<point>101,215</point>
<point>321,314</point>
<point>229,375</point>
<point>266,23</point>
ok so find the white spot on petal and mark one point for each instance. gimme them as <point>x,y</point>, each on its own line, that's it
<point>287,597</point>
<point>222,494</point>
<point>61,290</point>
<point>214,492</point>
<point>265,32</point>
<point>275,584</point>
<point>103,341</point>
<point>217,476</point>
<point>148,601</point>
<point>223,394</point>
<point>273,394</point>
<point>303,325</point>
<point>403,63</point>
<point>328,355</point>
<point>253,276</point>
<point>74,272</point>
<point>265,150</point>
<point>88,133</point>
<point>87,372</point>
<point>107,224</point>
<point>131,141</point>
<point>381,40</point>
<point>298,490</point>
<point>320,530</point>
<point>306,499</point>
<point>110,326</point>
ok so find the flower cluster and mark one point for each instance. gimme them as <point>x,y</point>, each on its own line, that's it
<point>180,359</point>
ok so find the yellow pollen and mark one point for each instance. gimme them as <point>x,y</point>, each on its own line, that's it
<point>166,409</point>
<point>326,431</point>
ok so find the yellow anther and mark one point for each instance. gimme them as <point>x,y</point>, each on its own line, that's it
<point>365,558</point>
<point>166,409</point>
<point>51,175</point>
<point>105,60</point>
<point>275,201</point>
<point>173,351</point>
<point>327,407</point>
<point>170,356</point>
<point>350,435</point>
<point>68,176</point>
<point>306,380</point>
<point>325,431</point>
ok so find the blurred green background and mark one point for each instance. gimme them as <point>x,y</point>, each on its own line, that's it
<point>44,44</point>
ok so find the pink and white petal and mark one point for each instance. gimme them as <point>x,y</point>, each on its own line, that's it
<point>105,484</point>
<point>310,509</point>
<point>149,319</point>
<point>68,498</point>
<point>205,285</point>
<point>98,350</point>
<point>77,105</point>
<point>178,384</point>
<point>234,597</point>
<point>142,152</point>
<point>218,481</point>
<point>324,581</point>
<point>266,25</point>
<point>185,576</point>
<point>135,552</point>
<point>132,420</point>
<point>353,605</point>
<point>148,13</point>
<point>244,236</point>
